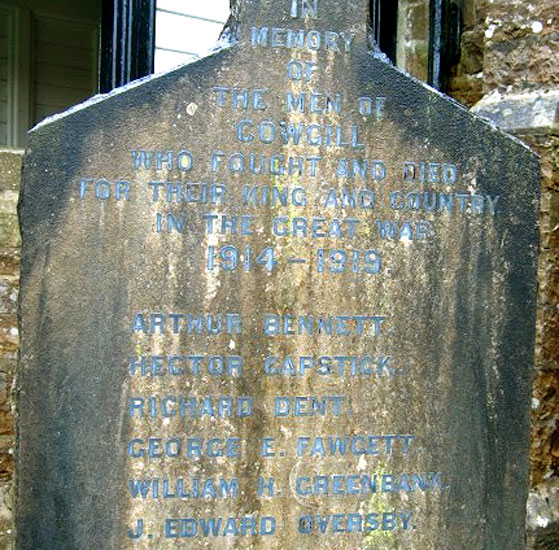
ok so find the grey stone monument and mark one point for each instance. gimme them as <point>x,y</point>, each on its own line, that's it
<point>280,298</point>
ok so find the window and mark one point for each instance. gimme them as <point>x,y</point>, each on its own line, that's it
<point>186,30</point>
<point>48,61</point>
<point>6,73</point>
<point>384,21</point>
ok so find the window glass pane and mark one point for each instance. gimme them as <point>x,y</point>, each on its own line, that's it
<point>211,9</point>
<point>187,29</point>
<point>4,61</point>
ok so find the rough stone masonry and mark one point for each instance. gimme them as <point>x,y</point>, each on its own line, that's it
<point>280,297</point>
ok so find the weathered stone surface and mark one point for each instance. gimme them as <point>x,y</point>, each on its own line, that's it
<point>6,532</point>
<point>10,169</point>
<point>548,347</point>
<point>10,173</point>
<point>543,517</point>
<point>545,418</point>
<point>467,89</point>
<point>545,431</point>
<point>533,112</point>
<point>444,300</point>
<point>521,45</point>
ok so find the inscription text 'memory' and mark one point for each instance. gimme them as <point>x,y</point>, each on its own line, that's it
<point>311,40</point>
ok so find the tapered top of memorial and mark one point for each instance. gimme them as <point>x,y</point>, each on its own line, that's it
<point>331,25</point>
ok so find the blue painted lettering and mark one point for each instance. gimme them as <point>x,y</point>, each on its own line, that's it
<point>103,189</point>
<point>266,486</point>
<point>363,484</point>
<point>349,198</point>
<point>357,445</point>
<point>315,135</point>
<point>304,8</point>
<point>338,365</point>
<point>247,526</point>
<point>182,365</point>
<point>267,447</point>
<point>176,323</point>
<point>316,228</point>
<point>181,447</point>
<point>372,107</point>
<point>404,230</point>
<point>160,160</point>
<point>188,407</point>
<point>180,488</point>
<point>355,523</point>
<point>311,406</point>
<point>314,103</point>
<point>258,164</point>
<point>188,192</point>
<point>365,169</point>
<point>170,223</point>
<point>240,99</point>
<point>311,325</point>
<point>254,195</point>
<point>431,172</point>
<point>311,40</point>
<point>447,203</point>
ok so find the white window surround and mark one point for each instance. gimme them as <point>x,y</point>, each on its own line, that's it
<point>17,74</point>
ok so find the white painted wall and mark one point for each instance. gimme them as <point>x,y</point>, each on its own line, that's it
<point>64,65</point>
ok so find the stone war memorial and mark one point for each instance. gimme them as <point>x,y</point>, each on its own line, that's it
<point>280,298</point>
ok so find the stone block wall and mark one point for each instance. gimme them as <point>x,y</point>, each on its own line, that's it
<point>466,79</point>
<point>521,44</point>
<point>543,506</point>
<point>10,172</point>
<point>545,448</point>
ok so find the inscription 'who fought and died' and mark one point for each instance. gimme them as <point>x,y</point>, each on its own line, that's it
<point>279,297</point>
